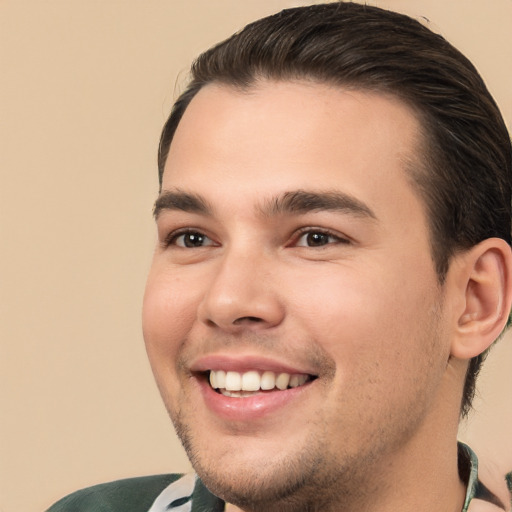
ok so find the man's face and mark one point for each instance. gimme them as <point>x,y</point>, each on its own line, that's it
<point>291,242</point>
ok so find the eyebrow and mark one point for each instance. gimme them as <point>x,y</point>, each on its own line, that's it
<point>294,202</point>
<point>302,201</point>
<point>182,201</point>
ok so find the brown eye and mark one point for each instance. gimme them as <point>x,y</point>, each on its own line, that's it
<point>317,239</point>
<point>192,239</point>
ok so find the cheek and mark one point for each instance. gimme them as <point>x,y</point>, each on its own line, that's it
<point>362,318</point>
<point>167,314</point>
<point>337,302</point>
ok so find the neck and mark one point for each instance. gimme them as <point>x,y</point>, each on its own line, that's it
<point>422,480</point>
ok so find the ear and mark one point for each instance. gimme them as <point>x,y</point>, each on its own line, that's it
<point>483,280</point>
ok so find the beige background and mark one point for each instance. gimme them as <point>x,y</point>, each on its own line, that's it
<point>85,88</point>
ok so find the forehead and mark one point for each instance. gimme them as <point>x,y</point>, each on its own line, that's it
<point>279,136</point>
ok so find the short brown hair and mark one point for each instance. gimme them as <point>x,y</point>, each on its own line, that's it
<point>465,176</point>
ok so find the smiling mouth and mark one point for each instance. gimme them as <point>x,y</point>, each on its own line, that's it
<point>241,385</point>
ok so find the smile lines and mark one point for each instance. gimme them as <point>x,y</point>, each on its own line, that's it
<point>248,383</point>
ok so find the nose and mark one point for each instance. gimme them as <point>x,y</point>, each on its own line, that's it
<point>242,294</point>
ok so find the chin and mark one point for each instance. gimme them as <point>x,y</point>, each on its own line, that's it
<point>269,485</point>
<point>241,472</point>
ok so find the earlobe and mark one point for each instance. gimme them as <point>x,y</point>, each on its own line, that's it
<point>485,283</point>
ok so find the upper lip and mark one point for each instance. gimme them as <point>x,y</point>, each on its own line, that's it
<point>244,363</point>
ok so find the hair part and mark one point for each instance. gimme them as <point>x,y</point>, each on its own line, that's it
<point>463,173</point>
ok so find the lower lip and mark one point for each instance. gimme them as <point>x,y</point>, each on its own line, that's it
<point>252,407</point>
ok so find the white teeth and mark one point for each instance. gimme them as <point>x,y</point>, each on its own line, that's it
<point>213,380</point>
<point>294,381</point>
<point>297,380</point>
<point>236,394</point>
<point>236,384</point>
<point>233,381</point>
<point>268,381</point>
<point>220,379</point>
<point>251,381</point>
<point>282,381</point>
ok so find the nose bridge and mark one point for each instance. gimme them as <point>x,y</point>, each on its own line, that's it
<point>242,290</point>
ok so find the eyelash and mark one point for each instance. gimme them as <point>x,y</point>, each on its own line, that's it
<point>171,238</point>
<point>311,230</point>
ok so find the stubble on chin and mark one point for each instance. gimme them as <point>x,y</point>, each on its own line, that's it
<point>314,477</point>
<point>305,481</point>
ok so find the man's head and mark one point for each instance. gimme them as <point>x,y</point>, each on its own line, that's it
<point>334,184</point>
<point>464,172</point>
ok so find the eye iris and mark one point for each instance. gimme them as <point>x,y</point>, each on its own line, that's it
<point>315,239</point>
<point>193,240</point>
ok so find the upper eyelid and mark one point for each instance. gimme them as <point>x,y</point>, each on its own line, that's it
<point>174,234</point>
<point>316,229</point>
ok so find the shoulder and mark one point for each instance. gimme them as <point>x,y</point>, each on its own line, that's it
<point>131,494</point>
<point>488,489</point>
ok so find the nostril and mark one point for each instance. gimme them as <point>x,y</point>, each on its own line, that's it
<point>247,319</point>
